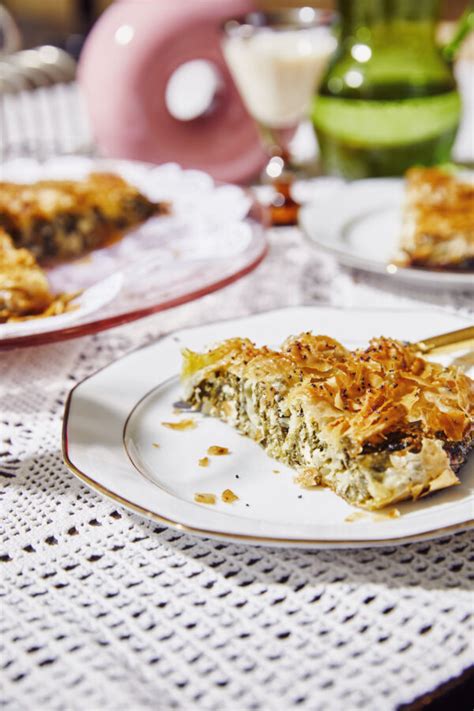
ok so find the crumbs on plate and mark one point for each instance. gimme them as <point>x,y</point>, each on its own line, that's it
<point>216,451</point>
<point>205,498</point>
<point>181,425</point>
<point>203,462</point>
<point>228,496</point>
<point>372,515</point>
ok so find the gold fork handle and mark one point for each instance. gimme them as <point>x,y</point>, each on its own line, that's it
<point>454,340</point>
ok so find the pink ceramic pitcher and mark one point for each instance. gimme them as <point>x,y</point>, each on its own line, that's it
<point>145,100</point>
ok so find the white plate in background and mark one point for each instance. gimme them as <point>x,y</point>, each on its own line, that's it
<point>360,224</point>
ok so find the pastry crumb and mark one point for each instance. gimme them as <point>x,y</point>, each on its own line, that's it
<point>155,444</point>
<point>389,513</point>
<point>181,425</point>
<point>228,496</point>
<point>356,516</point>
<point>372,515</point>
<point>204,462</point>
<point>216,451</point>
<point>205,498</point>
<point>276,471</point>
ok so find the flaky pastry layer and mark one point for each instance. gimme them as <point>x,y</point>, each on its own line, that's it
<point>376,426</point>
<point>63,219</point>
<point>438,221</point>
<point>24,288</point>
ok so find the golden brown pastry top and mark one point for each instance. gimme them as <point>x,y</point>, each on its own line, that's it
<point>443,203</point>
<point>24,288</point>
<point>364,395</point>
<point>433,185</point>
<point>385,388</point>
<point>47,197</point>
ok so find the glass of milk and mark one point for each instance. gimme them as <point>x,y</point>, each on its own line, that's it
<point>277,60</point>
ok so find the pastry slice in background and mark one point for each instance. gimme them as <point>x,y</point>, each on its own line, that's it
<point>438,221</point>
<point>24,288</point>
<point>64,219</point>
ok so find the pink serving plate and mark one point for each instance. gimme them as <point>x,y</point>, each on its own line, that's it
<point>214,236</point>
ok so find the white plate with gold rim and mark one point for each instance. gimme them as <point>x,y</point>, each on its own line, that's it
<point>113,424</point>
<point>360,224</point>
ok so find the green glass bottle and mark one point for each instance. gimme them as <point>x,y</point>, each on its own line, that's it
<point>389,98</point>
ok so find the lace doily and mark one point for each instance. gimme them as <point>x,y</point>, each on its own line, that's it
<point>103,610</point>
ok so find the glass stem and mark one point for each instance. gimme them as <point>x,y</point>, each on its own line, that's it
<point>283,208</point>
<point>275,142</point>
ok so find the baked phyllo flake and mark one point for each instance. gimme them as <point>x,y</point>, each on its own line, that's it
<point>375,425</point>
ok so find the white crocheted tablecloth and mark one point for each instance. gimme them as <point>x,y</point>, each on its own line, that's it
<point>101,609</point>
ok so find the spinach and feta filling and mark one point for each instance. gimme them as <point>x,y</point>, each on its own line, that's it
<point>376,426</point>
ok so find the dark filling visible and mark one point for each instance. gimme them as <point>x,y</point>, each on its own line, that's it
<point>410,439</point>
<point>459,451</point>
<point>467,265</point>
<point>413,439</point>
<point>70,234</point>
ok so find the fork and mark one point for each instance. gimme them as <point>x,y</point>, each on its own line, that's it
<point>446,342</point>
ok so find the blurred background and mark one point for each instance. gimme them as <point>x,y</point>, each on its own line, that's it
<point>156,112</point>
<point>65,23</point>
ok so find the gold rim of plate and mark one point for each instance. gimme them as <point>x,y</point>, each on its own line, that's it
<point>239,537</point>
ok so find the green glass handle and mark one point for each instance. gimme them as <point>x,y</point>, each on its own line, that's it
<point>464,27</point>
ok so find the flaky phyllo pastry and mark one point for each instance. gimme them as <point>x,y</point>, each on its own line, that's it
<point>64,219</point>
<point>24,288</point>
<point>376,426</point>
<point>58,220</point>
<point>438,221</point>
